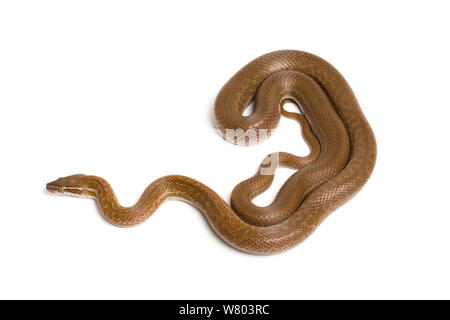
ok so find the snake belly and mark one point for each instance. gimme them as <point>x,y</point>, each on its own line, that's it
<point>342,158</point>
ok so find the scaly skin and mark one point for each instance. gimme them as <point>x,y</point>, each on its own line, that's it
<point>343,154</point>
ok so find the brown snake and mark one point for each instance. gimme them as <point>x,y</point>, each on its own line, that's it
<point>343,153</point>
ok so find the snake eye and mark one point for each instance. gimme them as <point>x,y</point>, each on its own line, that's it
<point>61,189</point>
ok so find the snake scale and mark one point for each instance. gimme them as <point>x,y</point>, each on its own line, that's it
<point>342,157</point>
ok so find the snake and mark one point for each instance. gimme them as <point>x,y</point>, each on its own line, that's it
<point>341,159</point>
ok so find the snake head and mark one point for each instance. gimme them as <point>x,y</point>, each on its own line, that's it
<point>73,185</point>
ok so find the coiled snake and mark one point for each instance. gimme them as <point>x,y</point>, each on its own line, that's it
<point>343,153</point>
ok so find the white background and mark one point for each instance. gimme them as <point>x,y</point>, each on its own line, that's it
<point>125,90</point>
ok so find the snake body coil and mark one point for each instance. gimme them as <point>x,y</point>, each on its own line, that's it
<point>343,153</point>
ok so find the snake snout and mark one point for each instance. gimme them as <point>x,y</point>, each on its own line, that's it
<point>53,187</point>
<point>67,185</point>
